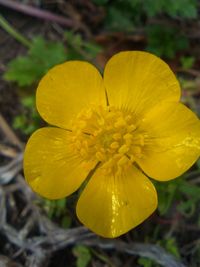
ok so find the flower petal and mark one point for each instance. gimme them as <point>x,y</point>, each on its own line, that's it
<point>172,142</point>
<point>138,80</point>
<point>111,205</point>
<point>50,167</point>
<point>66,89</point>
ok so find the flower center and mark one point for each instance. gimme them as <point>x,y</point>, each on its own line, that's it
<point>107,135</point>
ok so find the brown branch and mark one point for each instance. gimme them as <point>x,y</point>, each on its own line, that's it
<point>9,171</point>
<point>37,247</point>
<point>8,132</point>
<point>7,151</point>
<point>189,71</point>
<point>36,12</point>
<point>151,251</point>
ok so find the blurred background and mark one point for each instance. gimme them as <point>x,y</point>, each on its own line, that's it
<point>36,35</point>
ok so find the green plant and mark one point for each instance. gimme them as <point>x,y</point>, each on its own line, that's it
<point>144,262</point>
<point>42,55</point>
<point>28,121</point>
<point>186,194</point>
<point>56,210</point>
<point>165,41</point>
<point>78,48</point>
<point>137,11</point>
<point>190,198</point>
<point>83,255</point>
<point>171,246</point>
<point>187,62</point>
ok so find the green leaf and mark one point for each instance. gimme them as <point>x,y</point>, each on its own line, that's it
<point>144,262</point>
<point>187,62</point>
<point>181,8</point>
<point>42,55</point>
<point>124,15</point>
<point>171,246</point>
<point>29,120</point>
<point>78,48</point>
<point>83,256</point>
<point>190,190</point>
<point>66,221</point>
<point>164,41</point>
<point>116,21</point>
<point>28,102</point>
<point>166,194</point>
<point>187,208</point>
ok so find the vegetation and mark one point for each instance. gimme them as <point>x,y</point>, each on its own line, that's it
<point>165,28</point>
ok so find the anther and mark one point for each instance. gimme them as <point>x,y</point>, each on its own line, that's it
<point>128,136</point>
<point>123,160</point>
<point>114,145</point>
<point>123,149</point>
<point>120,123</point>
<point>128,142</point>
<point>131,128</point>
<point>87,165</point>
<point>116,136</point>
<point>100,156</point>
<point>138,139</point>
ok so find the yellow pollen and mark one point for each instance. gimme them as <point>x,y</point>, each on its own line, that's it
<point>131,128</point>
<point>123,160</point>
<point>120,123</point>
<point>100,156</point>
<point>107,135</point>
<point>128,136</point>
<point>139,140</point>
<point>114,145</point>
<point>123,149</point>
<point>116,136</point>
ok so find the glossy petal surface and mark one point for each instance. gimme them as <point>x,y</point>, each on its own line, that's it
<point>50,167</point>
<point>111,205</point>
<point>172,142</point>
<point>139,80</point>
<point>66,89</point>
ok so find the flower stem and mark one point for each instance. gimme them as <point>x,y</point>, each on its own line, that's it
<point>14,33</point>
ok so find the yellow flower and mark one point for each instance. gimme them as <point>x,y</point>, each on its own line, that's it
<point>111,133</point>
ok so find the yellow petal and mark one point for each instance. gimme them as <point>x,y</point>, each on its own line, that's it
<point>66,89</point>
<point>50,167</point>
<point>138,80</point>
<point>172,142</point>
<point>111,205</point>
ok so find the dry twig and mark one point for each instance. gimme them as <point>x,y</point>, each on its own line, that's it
<point>36,12</point>
<point>51,238</point>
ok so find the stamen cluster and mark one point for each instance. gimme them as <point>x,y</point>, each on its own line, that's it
<point>107,135</point>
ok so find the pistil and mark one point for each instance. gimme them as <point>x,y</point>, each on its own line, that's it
<point>112,138</point>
